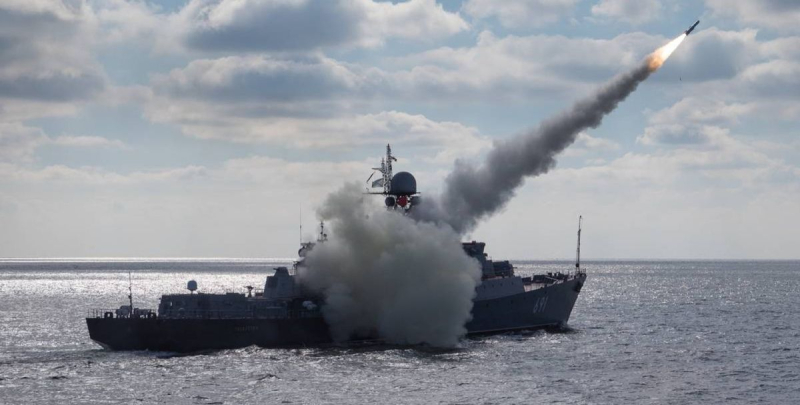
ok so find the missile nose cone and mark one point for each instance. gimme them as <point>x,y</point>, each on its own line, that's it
<point>689,31</point>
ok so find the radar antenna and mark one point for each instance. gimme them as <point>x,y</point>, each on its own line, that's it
<point>578,250</point>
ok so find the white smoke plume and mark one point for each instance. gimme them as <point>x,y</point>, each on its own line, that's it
<point>407,279</point>
<point>472,193</point>
<point>383,274</point>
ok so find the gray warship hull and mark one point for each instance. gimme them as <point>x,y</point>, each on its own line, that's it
<point>547,306</point>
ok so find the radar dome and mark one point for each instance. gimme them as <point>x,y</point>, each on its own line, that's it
<point>403,183</point>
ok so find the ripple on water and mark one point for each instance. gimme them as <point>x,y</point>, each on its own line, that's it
<point>641,332</point>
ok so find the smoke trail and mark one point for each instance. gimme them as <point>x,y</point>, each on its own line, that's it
<point>409,281</point>
<point>472,193</point>
<point>382,273</point>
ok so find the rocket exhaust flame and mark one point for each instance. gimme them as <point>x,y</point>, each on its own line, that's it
<point>657,58</point>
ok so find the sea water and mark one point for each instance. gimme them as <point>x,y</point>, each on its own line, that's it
<point>641,332</point>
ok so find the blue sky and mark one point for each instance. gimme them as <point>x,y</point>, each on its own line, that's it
<point>203,128</point>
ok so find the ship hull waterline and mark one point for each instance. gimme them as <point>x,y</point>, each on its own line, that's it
<point>545,307</point>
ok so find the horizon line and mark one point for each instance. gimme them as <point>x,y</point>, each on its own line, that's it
<point>286,259</point>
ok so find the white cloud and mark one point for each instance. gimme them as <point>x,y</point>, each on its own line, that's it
<point>44,54</point>
<point>241,78</point>
<point>18,142</point>
<point>587,144</point>
<point>88,142</point>
<point>702,110</point>
<point>211,121</point>
<point>46,69</point>
<point>741,79</point>
<point>122,20</point>
<point>289,25</point>
<point>505,68</point>
<point>305,103</point>
<point>781,15</point>
<point>684,134</point>
<point>714,54</point>
<point>512,67</point>
<point>729,163</point>
<point>521,13</point>
<point>96,176</point>
<point>630,11</point>
<point>773,79</point>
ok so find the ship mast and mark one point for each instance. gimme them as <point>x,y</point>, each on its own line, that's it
<point>387,170</point>
<point>578,250</point>
<point>130,291</point>
<point>386,173</point>
<point>322,235</point>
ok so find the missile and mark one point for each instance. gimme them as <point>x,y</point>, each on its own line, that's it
<point>689,31</point>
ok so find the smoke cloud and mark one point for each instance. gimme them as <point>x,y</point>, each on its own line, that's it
<point>407,278</point>
<point>384,274</point>
<point>472,193</point>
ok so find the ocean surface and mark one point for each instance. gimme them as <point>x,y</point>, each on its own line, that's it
<point>656,332</point>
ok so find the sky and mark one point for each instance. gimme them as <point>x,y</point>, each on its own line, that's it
<point>214,128</point>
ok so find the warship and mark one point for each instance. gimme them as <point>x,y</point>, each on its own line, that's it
<point>285,314</point>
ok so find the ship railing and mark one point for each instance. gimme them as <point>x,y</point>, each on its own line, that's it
<point>264,313</point>
<point>121,313</point>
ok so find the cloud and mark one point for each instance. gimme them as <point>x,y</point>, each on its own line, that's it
<point>299,25</point>
<point>88,142</point>
<point>781,15</point>
<point>18,142</point>
<point>306,102</point>
<point>729,163</point>
<point>254,172</point>
<point>166,212</point>
<point>96,176</point>
<point>773,79</point>
<point>695,121</point>
<point>713,54</point>
<point>122,20</point>
<point>586,144</point>
<point>702,110</point>
<point>265,79</point>
<point>510,67</point>
<point>44,55</point>
<point>630,11</point>
<point>342,130</point>
<point>521,14</point>
<point>738,78</point>
<point>682,134</point>
<point>514,67</point>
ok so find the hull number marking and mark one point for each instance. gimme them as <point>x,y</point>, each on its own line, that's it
<point>540,305</point>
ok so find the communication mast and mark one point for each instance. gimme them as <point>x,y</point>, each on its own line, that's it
<point>130,290</point>
<point>322,237</point>
<point>386,172</point>
<point>400,189</point>
<point>578,250</point>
